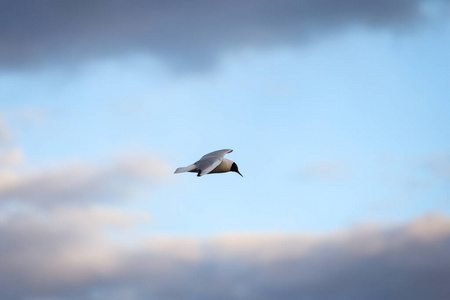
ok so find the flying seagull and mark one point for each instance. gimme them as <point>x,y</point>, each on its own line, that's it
<point>213,162</point>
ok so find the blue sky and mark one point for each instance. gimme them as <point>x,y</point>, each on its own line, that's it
<point>338,124</point>
<point>371,105</point>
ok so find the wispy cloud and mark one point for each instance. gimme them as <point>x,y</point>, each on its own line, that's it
<point>428,174</point>
<point>10,157</point>
<point>82,183</point>
<point>5,134</point>
<point>325,170</point>
<point>190,34</point>
<point>73,258</point>
<point>438,166</point>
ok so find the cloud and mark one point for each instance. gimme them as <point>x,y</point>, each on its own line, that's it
<point>66,255</point>
<point>186,34</point>
<point>57,250</point>
<point>425,176</point>
<point>5,134</point>
<point>78,183</point>
<point>325,170</point>
<point>438,166</point>
<point>31,115</point>
<point>82,183</point>
<point>10,156</point>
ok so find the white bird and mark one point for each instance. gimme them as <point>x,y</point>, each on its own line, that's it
<point>213,162</point>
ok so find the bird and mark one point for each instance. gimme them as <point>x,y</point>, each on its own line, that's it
<point>213,162</point>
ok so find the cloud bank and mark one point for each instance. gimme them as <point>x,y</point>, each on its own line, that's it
<point>186,34</point>
<point>61,255</point>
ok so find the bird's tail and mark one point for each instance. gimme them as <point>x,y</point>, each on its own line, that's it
<point>186,169</point>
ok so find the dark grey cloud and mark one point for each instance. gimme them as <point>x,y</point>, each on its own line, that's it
<point>184,33</point>
<point>64,256</point>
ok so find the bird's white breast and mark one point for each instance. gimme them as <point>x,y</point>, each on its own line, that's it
<point>224,166</point>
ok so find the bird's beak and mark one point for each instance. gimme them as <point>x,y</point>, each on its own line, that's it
<point>239,173</point>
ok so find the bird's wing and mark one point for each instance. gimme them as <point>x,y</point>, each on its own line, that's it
<point>186,169</point>
<point>210,161</point>
<point>218,153</point>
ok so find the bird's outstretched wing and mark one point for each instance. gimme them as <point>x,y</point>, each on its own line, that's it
<point>186,169</point>
<point>210,161</point>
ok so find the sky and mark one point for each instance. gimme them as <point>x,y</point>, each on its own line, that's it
<point>337,113</point>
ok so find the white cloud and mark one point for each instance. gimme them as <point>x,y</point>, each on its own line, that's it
<point>32,115</point>
<point>81,183</point>
<point>10,157</point>
<point>438,165</point>
<point>5,134</point>
<point>326,170</point>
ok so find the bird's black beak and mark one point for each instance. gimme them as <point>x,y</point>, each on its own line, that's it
<point>234,168</point>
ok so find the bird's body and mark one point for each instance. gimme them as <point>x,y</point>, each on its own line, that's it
<point>223,167</point>
<point>213,162</point>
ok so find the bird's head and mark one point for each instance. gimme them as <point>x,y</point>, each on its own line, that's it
<point>234,168</point>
